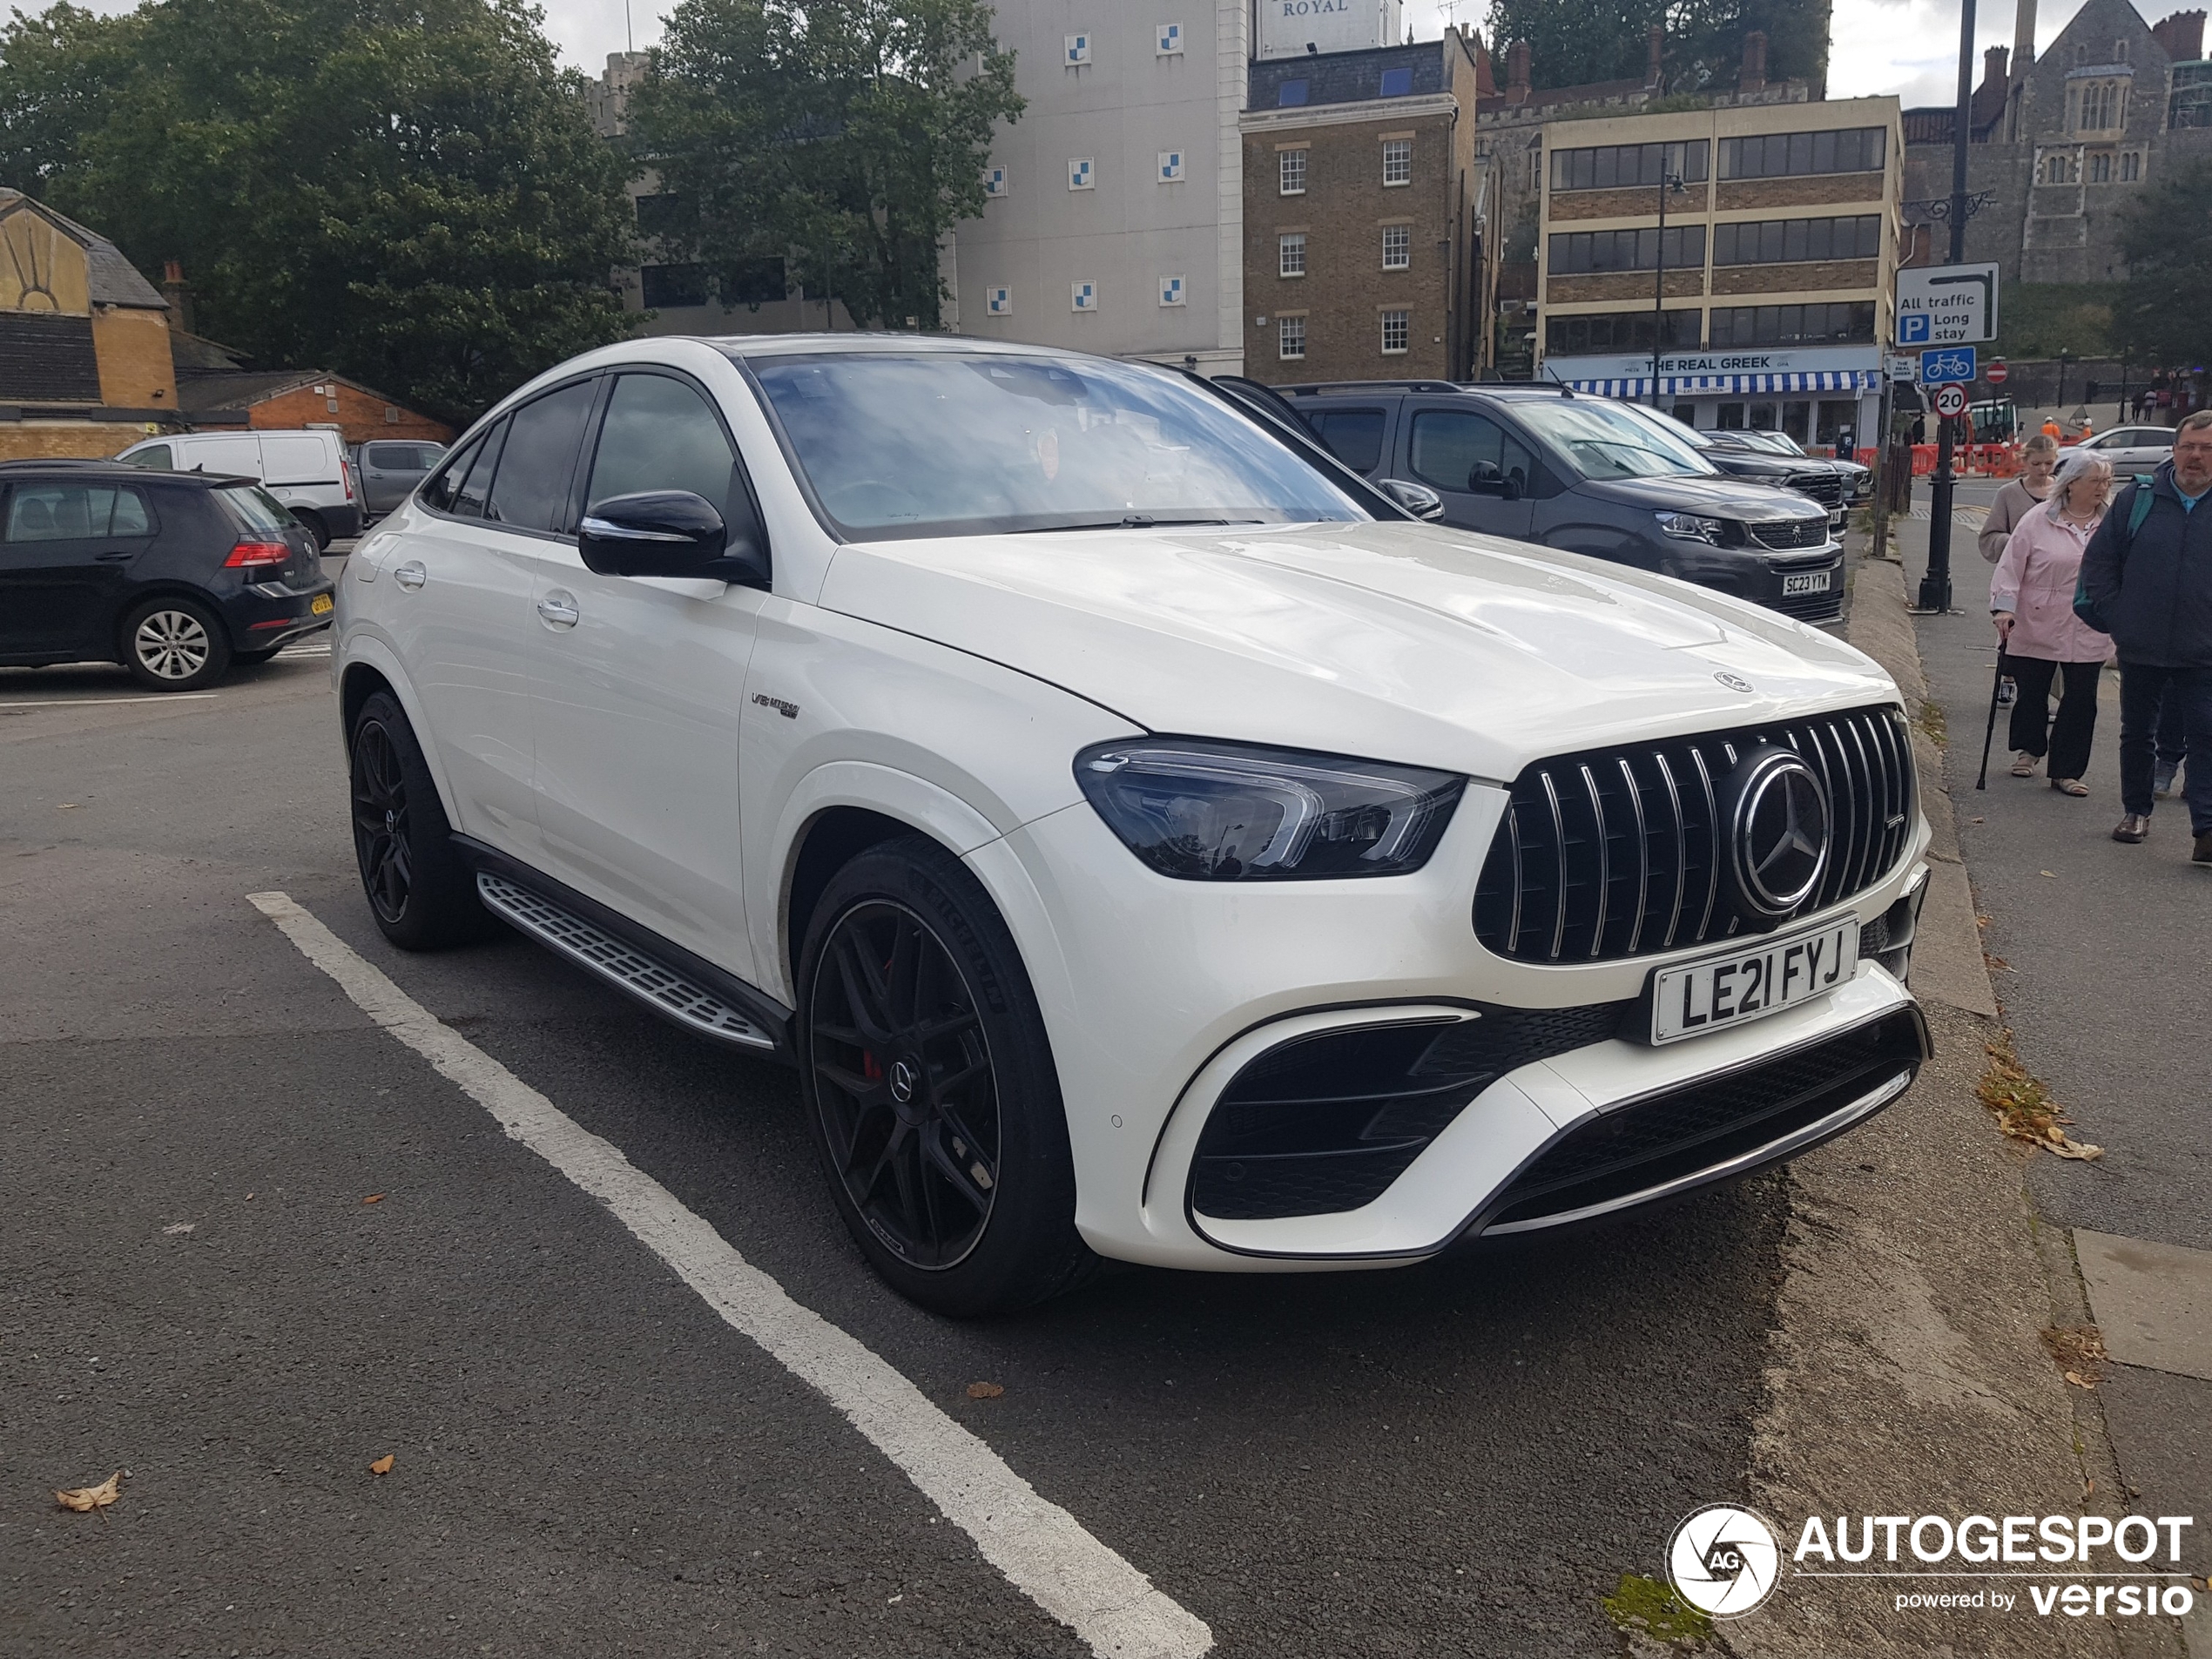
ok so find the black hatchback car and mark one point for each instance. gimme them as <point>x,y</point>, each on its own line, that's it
<point>176,576</point>
<point>1537,462</point>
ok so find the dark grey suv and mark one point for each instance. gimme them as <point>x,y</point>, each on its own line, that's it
<point>1540,463</point>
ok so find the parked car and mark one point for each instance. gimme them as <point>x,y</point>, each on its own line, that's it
<point>1858,481</point>
<point>1146,841</point>
<point>1818,481</point>
<point>389,468</point>
<point>1538,464</point>
<point>176,576</point>
<point>2133,448</point>
<point>307,470</point>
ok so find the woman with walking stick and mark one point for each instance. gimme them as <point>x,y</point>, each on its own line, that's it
<point>2031,599</point>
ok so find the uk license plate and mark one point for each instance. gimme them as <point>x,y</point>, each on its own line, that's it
<point>1807,582</point>
<point>320,607</point>
<point>1751,982</point>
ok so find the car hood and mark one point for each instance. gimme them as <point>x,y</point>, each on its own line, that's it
<point>1393,641</point>
<point>1690,493</point>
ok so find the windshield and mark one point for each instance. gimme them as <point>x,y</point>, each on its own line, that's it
<point>961,444</point>
<point>1780,442</point>
<point>1607,440</point>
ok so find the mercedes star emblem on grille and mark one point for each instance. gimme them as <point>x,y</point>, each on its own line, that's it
<point>1779,833</point>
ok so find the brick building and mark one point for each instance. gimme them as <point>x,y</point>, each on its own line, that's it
<point>288,399</point>
<point>1365,248</point>
<point>1778,260</point>
<point>85,363</point>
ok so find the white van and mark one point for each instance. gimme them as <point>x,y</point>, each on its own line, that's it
<point>307,470</point>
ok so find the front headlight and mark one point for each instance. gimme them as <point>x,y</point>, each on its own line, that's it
<point>1690,528</point>
<point>1202,811</point>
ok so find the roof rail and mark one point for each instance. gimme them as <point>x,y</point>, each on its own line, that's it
<point>1318,387</point>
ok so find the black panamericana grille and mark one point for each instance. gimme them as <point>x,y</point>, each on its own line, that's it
<point>1787,535</point>
<point>1827,488</point>
<point>1650,1143</point>
<point>1613,853</point>
<point>1324,1123</point>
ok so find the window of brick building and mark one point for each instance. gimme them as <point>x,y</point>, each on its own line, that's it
<point>1291,171</point>
<point>1397,331</point>
<point>2131,167</point>
<point>1398,247</point>
<point>1398,161</point>
<point>1290,254</point>
<point>1290,337</point>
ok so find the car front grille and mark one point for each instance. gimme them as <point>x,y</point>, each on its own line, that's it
<point>1827,488</point>
<point>1785,535</point>
<point>1614,852</point>
<point>1668,1137</point>
<point>1324,1122</point>
<point>1809,607</point>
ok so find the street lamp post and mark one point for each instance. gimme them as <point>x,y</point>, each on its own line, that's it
<point>1935,586</point>
<point>1666,181</point>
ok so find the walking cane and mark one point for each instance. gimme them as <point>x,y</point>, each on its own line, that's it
<point>1996,691</point>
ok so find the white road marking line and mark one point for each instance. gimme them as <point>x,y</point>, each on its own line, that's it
<point>103,702</point>
<point>1040,1547</point>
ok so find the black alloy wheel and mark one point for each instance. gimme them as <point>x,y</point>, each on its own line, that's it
<point>905,1085</point>
<point>422,894</point>
<point>931,1095</point>
<point>381,826</point>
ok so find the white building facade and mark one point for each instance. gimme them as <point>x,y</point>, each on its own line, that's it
<point>1114,222</point>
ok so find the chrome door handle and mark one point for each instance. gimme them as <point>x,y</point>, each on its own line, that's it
<point>559,609</point>
<point>411,575</point>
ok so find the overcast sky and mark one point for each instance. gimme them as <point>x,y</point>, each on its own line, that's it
<point>1908,47</point>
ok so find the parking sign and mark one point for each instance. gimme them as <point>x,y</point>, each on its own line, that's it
<point>1948,305</point>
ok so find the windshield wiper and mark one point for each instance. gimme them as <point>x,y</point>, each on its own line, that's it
<point>1133,522</point>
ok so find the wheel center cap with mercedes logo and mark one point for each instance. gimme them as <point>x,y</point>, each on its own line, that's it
<point>1778,834</point>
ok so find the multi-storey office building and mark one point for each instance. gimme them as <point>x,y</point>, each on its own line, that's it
<point>1777,261</point>
<point>1364,250</point>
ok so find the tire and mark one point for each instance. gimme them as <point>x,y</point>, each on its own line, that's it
<point>422,894</point>
<point>930,1087</point>
<point>173,643</point>
<point>312,523</point>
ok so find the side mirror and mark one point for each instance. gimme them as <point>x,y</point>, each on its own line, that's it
<point>1418,499</point>
<point>667,532</point>
<point>1485,478</point>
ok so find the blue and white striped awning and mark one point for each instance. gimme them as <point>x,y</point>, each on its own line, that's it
<point>1826,380</point>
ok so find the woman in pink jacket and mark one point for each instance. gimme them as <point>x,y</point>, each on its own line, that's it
<point>2031,597</point>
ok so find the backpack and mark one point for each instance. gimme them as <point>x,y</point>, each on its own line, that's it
<point>2138,510</point>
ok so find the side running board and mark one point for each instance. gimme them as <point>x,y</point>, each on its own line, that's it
<point>623,965</point>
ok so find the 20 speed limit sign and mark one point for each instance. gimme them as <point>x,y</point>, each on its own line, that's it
<point>1950,402</point>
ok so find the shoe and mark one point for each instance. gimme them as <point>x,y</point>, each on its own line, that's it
<point>2203,853</point>
<point>2023,764</point>
<point>2162,780</point>
<point>2135,827</point>
<point>2070,786</point>
<point>2008,692</point>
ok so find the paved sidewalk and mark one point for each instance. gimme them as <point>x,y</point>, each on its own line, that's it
<point>2099,952</point>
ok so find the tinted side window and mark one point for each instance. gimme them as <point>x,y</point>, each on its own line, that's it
<point>1354,436</point>
<point>660,435</point>
<point>468,497</point>
<point>440,491</point>
<point>156,458</point>
<point>399,457</point>
<point>75,512</point>
<point>537,468</point>
<point>1448,442</point>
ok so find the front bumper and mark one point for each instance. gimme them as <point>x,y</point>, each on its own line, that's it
<point>1158,993</point>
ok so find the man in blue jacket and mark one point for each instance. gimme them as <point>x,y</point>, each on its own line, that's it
<point>2147,581</point>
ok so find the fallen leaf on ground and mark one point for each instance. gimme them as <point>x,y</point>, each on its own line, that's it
<point>66,807</point>
<point>2079,1380</point>
<point>2079,1150</point>
<point>373,1198</point>
<point>382,1466</point>
<point>1976,820</point>
<point>83,1499</point>
<point>176,1227</point>
<point>2053,874</point>
<point>984,1391</point>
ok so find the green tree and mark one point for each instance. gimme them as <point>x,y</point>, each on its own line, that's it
<point>2162,314</point>
<point>1572,42</point>
<point>410,193</point>
<point>845,135</point>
